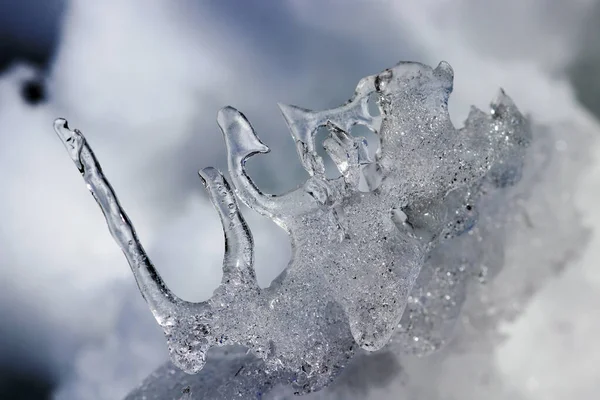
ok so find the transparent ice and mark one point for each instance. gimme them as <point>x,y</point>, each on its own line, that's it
<point>381,254</point>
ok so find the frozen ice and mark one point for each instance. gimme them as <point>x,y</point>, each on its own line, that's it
<point>527,245</point>
<point>233,373</point>
<point>367,265</point>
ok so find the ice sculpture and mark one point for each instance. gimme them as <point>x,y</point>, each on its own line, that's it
<point>359,241</point>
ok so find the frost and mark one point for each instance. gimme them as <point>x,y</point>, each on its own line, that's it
<point>382,252</point>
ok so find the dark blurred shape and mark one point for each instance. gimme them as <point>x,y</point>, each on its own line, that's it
<point>33,91</point>
<point>29,31</point>
<point>28,371</point>
<point>18,385</point>
<point>585,70</point>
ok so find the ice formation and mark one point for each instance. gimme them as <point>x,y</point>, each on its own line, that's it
<point>372,250</point>
<point>524,245</point>
<point>233,373</point>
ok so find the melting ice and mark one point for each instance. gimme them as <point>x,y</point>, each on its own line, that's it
<point>388,264</point>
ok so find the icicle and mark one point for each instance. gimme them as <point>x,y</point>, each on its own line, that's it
<point>161,300</point>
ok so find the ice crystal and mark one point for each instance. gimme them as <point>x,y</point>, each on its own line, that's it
<point>356,252</point>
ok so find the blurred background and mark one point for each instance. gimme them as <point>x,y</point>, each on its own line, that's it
<point>144,79</point>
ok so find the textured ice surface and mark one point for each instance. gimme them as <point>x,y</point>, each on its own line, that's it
<point>529,244</point>
<point>232,373</point>
<point>356,252</point>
